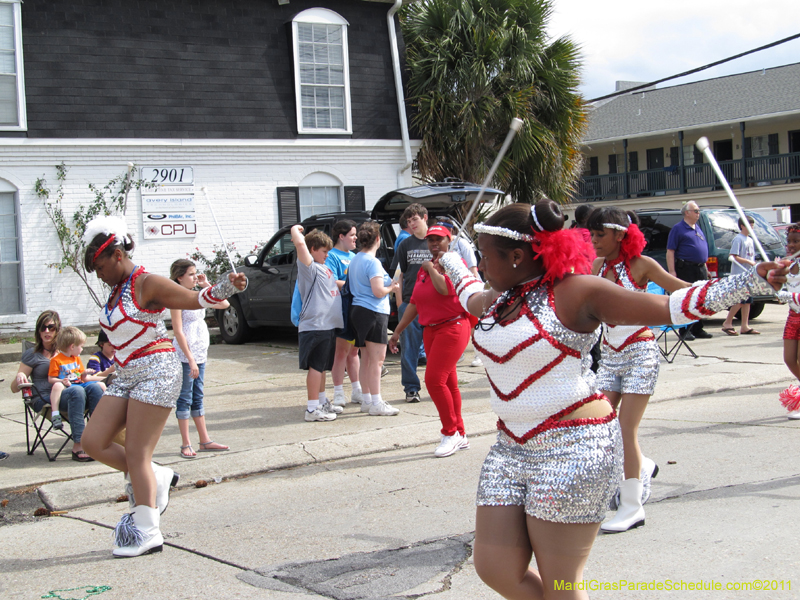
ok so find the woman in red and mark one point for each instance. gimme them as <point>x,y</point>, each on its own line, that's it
<point>446,332</point>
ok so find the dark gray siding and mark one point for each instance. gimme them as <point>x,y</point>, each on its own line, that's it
<point>189,68</point>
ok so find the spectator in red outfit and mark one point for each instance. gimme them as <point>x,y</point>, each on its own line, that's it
<point>446,331</point>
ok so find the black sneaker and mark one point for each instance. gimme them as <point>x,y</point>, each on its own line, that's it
<point>412,397</point>
<point>686,335</point>
<point>3,455</point>
<point>702,334</point>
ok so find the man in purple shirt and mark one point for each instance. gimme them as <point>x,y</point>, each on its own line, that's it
<point>687,253</point>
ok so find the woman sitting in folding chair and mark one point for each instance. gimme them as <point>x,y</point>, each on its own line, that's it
<point>34,368</point>
<point>629,360</point>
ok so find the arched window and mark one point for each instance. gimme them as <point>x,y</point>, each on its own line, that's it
<point>10,259</point>
<point>319,193</point>
<point>321,72</point>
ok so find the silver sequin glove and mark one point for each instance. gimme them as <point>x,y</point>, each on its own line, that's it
<point>216,293</point>
<point>786,297</point>
<point>704,298</point>
<point>464,281</point>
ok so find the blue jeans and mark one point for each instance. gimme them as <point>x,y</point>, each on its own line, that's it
<point>410,343</point>
<point>190,402</point>
<point>75,401</point>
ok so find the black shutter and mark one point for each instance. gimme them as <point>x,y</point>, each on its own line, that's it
<point>674,157</point>
<point>612,164</point>
<point>593,166</point>
<point>772,143</point>
<point>288,206</point>
<point>633,159</point>
<point>748,147</point>
<point>354,198</point>
<point>698,156</point>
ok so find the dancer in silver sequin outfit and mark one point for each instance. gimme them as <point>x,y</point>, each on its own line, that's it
<point>546,483</point>
<point>630,359</point>
<point>148,377</point>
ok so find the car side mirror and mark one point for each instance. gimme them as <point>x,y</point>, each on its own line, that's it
<point>272,271</point>
<point>250,260</point>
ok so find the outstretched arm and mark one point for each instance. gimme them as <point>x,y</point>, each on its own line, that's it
<point>156,293</point>
<point>655,273</point>
<point>299,241</point>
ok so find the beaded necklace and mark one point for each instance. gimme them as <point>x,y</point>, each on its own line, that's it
<point>507,300</point>
<point>119,297</point>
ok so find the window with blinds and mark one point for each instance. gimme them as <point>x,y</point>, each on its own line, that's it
<point>10,265</point>
<point>12,98</point>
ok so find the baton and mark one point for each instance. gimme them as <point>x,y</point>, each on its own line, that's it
<point>224,245</point>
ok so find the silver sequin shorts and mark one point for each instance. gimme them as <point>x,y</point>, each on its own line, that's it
<point>563,475</point>
<point>634,370</point>
<point>152,379</point>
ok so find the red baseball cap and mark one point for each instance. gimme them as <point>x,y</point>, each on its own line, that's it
<point>439,230</point>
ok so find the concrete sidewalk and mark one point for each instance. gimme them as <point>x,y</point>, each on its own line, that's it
<point>255,397</point>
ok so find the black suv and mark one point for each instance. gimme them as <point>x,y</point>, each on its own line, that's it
<point>720,226</point>
<point>272,272</point>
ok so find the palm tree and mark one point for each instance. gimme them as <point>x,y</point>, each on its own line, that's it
<point>473,65</point>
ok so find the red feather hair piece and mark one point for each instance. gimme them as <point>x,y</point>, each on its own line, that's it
<point>632,244</point>
<point>562,252</point>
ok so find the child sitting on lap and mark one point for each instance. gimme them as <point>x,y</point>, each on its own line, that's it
<point>66,369</point>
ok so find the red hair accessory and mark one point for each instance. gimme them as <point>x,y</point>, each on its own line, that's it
<point>632,244</point>
<point>105,245</point>
<point>562,252</point>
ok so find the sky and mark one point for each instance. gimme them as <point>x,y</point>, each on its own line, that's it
<point>637,40</point>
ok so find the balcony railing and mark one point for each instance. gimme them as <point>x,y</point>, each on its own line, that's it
<point>763,170</point>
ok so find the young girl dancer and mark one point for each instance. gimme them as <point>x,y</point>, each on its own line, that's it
<point>790,397</point>
<point>191,345</point>
<point>629,359</point>
<point>545,485</point>
<point>148,377</point>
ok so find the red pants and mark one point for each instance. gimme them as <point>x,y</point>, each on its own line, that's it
<point>444,345</point>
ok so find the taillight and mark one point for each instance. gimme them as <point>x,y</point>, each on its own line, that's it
<point>713,267</point>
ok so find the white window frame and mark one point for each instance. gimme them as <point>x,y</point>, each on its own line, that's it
<point>320,179</point>
<point>321,16</point>
<point>8,188</point>
<point>22,117</point>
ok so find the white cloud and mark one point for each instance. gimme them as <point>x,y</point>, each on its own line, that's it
<point>640,41</point>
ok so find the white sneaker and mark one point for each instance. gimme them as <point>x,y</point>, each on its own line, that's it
<point>381,409</point>
<point>464,443</point>
<point>449,445</point>
<point>794,415</point>
<point>339,399</point>
<point>365,406</point>
<point>356,397</point>
<point>476,363</point>
<point>331,408</point>
<point>320,415</point>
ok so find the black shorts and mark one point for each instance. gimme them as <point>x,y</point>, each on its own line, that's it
<point>369,326</point>
<point>317,349</point>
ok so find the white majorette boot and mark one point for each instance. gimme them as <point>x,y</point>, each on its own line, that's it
<point>166,478</point>
<point>137,533</point>
<point>630,513</point>
<point>648,472</point>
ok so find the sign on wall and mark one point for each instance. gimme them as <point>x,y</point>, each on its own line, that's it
<point>168,210</point>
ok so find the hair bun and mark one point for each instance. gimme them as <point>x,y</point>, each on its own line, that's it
<point>547,215</point>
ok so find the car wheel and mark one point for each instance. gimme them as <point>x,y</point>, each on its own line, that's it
<point>756,308</point>
<point>232,325</point>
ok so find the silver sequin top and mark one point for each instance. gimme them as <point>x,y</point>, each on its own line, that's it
<point>618,337</point>
<point>536,366</point>
<point>131,329</point>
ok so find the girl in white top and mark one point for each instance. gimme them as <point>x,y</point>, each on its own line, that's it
<point>191,345</point>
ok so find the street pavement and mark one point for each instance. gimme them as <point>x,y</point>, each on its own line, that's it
<point>360,508</point>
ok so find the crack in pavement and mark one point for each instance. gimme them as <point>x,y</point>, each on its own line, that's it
<point>762,483</point>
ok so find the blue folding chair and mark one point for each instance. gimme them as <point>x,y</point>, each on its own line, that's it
<point>669,349</point>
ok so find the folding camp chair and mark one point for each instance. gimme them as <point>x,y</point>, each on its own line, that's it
<point>669,349</point>
<point>39,422</point>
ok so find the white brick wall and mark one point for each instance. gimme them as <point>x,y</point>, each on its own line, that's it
<point>241,178</point>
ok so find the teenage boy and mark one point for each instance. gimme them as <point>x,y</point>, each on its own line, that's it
<point>411,253</point>
<point>319,319</point>
<point>743,256</point>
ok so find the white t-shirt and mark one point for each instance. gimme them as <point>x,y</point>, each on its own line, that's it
<point>322,303</point>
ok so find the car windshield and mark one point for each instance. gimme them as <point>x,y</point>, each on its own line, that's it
<point>725,225</point>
